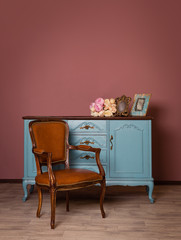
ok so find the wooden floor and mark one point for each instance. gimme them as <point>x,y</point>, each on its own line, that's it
<point>129,214</point>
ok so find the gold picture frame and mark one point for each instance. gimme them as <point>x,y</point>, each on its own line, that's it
<point>122,106</point>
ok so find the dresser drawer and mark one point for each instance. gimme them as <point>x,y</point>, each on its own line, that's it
<point>86,126</point>
<point>95,141</point>
<point>86,157</point>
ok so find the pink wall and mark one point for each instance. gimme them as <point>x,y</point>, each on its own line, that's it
<point>58,56</point>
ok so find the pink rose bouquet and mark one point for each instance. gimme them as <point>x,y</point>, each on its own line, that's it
<point>103,108</point>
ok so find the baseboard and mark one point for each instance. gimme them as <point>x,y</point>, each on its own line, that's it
<point>167,182</point>
<point>10,180</point>
<point>155,182</point>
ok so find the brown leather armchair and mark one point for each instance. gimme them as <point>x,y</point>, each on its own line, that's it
<point>50,147</point>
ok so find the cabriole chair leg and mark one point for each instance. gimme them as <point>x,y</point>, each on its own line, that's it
<point>103,189</point>
<point>67,201</point>
<point>53,206</point>
<point>40,196</point>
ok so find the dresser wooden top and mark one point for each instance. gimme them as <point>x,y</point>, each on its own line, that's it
<point>85,118</point>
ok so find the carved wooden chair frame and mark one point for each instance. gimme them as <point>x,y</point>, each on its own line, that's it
<point>39,153</point>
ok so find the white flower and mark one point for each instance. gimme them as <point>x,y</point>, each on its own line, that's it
<point>106,107</point>
<point>114,105</point>
<point>94,114</point>
<point>107,102</point>
<point>114,109</point>
<point>92,109</point>
<point>112,100</point>
<point>108,113</point>
<point>101,113</point>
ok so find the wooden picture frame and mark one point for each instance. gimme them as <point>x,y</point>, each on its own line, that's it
<point>140,104</point>
<point>122,106</point>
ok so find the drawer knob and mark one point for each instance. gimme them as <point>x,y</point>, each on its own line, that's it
<point>86,127</point>
<point>87,157</point>
<point>87,142</point>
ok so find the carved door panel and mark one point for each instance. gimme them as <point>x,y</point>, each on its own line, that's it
<point>130,156</point>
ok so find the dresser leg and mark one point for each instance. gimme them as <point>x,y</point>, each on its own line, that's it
<point>150,191</point>
<point>25,184</point>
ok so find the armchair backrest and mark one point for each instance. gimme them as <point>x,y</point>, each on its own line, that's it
<point>50,136</point>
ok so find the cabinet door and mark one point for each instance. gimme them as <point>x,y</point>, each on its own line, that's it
<point>130,156</point>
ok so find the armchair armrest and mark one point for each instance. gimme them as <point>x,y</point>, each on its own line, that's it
<point>41,153</point>
<point>84,148</point>
<point>91,149</point>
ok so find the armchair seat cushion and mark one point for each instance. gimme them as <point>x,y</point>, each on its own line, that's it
<point>69,177</point>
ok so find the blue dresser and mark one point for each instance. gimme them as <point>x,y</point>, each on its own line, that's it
<point>126,149</point>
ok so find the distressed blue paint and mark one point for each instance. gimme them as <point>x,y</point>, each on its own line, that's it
<point>25,190</point>
<point>129,163</point>
<point>150,191</point>
<point>27,181</point>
